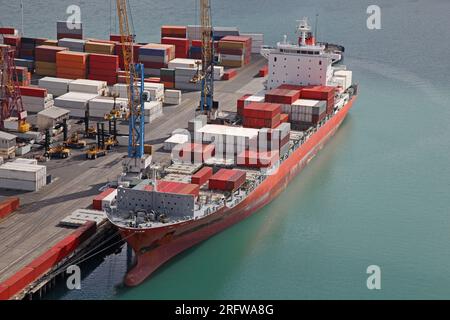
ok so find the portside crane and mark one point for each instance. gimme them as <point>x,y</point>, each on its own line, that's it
<point>10,98</point>
<point>205,74</point>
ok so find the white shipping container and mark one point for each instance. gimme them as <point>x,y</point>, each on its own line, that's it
<point>87,86</point>
<point>21,185</point>
<point>184,63</point>
<point>74,100</point>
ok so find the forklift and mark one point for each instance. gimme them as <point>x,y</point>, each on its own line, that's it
<point>75,142</point>
<point>99,149</point>
<point>59,151</point>
<point>111,141</point>
<point>89,132</point>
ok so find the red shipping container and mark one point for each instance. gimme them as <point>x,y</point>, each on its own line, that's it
<point>7,30</point>
<point>8,206</point>
<point>197,43</point>
<point>178,188</point>
<point>97,201</point>
<point>264,71</point>
<point>195,152</point>
<point>69,35</point>
<point>118,38</point>
<point>262,110</point>
<point>284,117</point>
<point>104,61</point>
<point>4,292</point>
<point>152,80</point>
<point>282,96</point>
<point>181,46</point>
<point>173,31</point>
<point>202,176</point>
<point>19,281</point>
<point>227,180</point>
<point>258,123</point>
<point>258,159</point>
<point>33,92</point>
<point>47,53</point>
<point>229,74</point>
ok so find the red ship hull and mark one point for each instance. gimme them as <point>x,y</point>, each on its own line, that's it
<point>153,247</point>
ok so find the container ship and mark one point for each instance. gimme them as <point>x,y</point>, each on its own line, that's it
<point>224,172</point>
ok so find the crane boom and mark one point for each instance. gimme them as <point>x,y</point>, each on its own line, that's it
<point>135,82</point>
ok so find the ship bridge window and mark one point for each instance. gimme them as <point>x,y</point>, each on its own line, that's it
<point>320,63</point>
<point>275,59</point>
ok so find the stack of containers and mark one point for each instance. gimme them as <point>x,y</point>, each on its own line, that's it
<point>46,60</point>
<point>283,95</point>
<point>181,46</point>
<point>55,86</point>
<point>22,76</point>
<point>202,176</point>
<point>235,51</point>
<point>275,139</point>
<point>323,93</point>
<point>152,111</point>
<point>194,33</point>
<point>185,70</point>
<point>104,47</point>
<point>178,188</point>
<point>71,65</point>
<point>88,86</point>
<point>156,56</point>
<point>167,77</point>
<point>22,176</point>
<point>195,51</point>
<point>257,41</point>
<point>118,38</point>
<point>248,99</point>
<point>64,30</point>
<point>76,45</point>
<point>220,32</point>
<point>9,31</point>
<point>172,97</point>
<point>119,52</point>
<point>227,180</point>
<point>75,102</point>
<point>307,112</point>
<point>196,153</point>
<point>155,90</point>
<point>174,32</point>
<point>258,159</point>
<point>29,64</point>
<point>100,106</point>
<point>14,42</point>
<point>103,67</point>
<point>27,47</point>
<point>262,115</point>
<point>35,99</point>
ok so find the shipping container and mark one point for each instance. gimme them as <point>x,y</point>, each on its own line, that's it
<point>227,180</point>
<point>202,176</point>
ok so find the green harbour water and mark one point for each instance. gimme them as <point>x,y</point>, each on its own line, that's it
<point>377,194</point>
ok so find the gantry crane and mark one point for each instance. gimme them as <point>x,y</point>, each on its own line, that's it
<point>10,97</point>
<point>205,74</point>
<point>135,73</point>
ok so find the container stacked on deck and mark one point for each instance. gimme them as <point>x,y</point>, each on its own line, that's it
<point>172,97</point>
<point>274,139</point>
<point>105,199</point>
<point>167,77</point>
<point>235,51</point>
<point>100,47</point>
<point>344,78</point>
<point>22,176</point>
<point>69,30</point>
<point>35,99</point>
<point>181,46</point>
<point>194,33</point>
<point>55,86</point>
<point>46,60</point>
<point>156,56</point>
<point>76,45</point>
<point>71,65</point>
<point>195,153</point>
<point>247,99</point>
<point>262,115</point>
<point>14,42</point>
<point>305,112</point>
<point>100,106</point>
<point>258,159</point>
<point>227,180</point>
<point>103,67</point>
<point>202,176</point>
<point>322,93</point>
<point>22,76</point>
<point>177,188</point>
<point>257,41</point>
